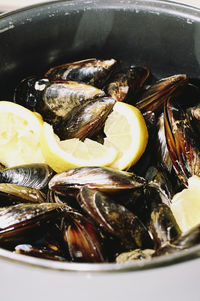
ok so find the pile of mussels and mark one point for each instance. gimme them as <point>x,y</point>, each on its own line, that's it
<point>99,214</point>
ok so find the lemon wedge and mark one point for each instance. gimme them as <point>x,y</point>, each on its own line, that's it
<point>71,153</point>
<point>126,130</point>
<point>186,205</point>
<point>19,135</point>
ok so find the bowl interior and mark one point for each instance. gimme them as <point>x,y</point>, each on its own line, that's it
<point>157,34</point>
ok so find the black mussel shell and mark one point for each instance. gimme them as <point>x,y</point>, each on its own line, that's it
<point>85,120</point>
<point>13,193</point>
<point>182,141</point>
<point>17,219</point>
<point>54,99</point>
<point>82,239</point>
<point>114,219</point>
<point>163,225</point>
<point>186,240</point>
<point>90,71</point>
<point>125,84</point>
<point>100,178</point>
<point>155,96</point>
<point>35,175</point>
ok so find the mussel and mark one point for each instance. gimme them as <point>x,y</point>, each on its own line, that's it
<point>85,120</point>
<point>114,218</point>
<point>82,239</point>
<point>101,178</point>
<point>185,241</point>
<point>162,153</point>
<point>90,71</point>
<point>135,255</point>
<point>163,225</point>
<point>155,96</point>
<point>13,193</point>
<point>31,175</point>
<point>16,220</point>
<point>182,141</point>
<point>125,84</point>
<point>53,99</point>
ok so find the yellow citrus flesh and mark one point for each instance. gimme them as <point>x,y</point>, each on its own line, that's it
<point>71,153</point>
<point>186,205</point>
<point>19,135</point>
<point>126,130</point>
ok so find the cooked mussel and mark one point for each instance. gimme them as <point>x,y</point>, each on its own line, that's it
<point>162,179</point>
<point>101,178</point>
<point>162,152</point>
<point>17,219</point>
<point>155,96</point>
<point>114,218</point>
<point>12,193</point>
<point>35,175</point>
<point>85,120</point>
<point>91,71</point>
<point>53,99</point>
<point>135,255</point>
<point>163,225</point>
<point>182,141</point>
<point>186,240</point>
<point>125,84</point>
<point>82,239</point>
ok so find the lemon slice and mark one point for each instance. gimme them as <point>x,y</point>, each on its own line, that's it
<point>126,130</point>
<point>186,205</point>
<point>19,135</point>
<point>71,153</point>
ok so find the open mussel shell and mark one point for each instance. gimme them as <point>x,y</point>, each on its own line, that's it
<point>182,141</point>
<point>35,175</point>
<point>82,239</point>
<point>92,71</point>
<point>12,193</point>
<point>125,84</point>
<point>17,219</point>
<point>101,178</point>
<point>155,96</point>
<point>85,120</point>
<point>114,219</point>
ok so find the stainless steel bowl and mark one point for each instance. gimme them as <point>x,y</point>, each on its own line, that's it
<point>161,35</point>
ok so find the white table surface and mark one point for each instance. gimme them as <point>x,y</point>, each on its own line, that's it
<point>25,283</point>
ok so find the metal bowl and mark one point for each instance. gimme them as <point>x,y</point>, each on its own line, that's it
<point>157,34</point>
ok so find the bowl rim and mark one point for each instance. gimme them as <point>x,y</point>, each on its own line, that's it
<point>177,8</point>
<point>164,6</point>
